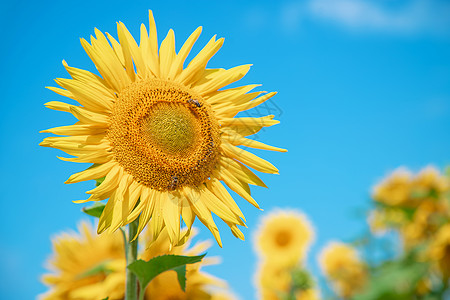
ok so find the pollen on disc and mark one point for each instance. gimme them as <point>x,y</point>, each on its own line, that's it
<point>164,134</point>
<point>172,127</point>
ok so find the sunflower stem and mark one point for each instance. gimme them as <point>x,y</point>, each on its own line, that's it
<point>131,247</point>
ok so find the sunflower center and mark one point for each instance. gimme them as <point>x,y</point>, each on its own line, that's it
<point>283,238</point>
<point>164,134</point>
<point>171,128</point>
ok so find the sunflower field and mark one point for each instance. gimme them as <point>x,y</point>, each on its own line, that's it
<point>167,144</point>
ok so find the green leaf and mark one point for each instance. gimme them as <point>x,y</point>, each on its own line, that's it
<point>94,210</point>
<point>301,279</point>
<point>147,270</point>
<point>395,280</point>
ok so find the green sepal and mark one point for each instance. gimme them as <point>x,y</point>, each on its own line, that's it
<point>99,181</point>
<point>95,210</point>
<point>146,271</point>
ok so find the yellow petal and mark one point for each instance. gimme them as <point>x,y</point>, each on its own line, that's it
<point>76,130</point>
<point>218,207</point>
<point>237,186</point>
<point>249,159</point>
<point>117,49</point>
<point>230,95</point>
<point>177,65</point>
<point>152,54</point>
<point>157,221</point>
<point>240,171</point>
<point>196,67</point>
<point>236,139</point>
<point>221,192</point>
<point>57,105</point>
<point>171,213</point>
<point>203,213</point>
<point>167,54</point>
<point>222,79</point>
<point>97,157</point>
<point>231,110</point>
<point>130,43</point>
<point>86,95</point>
<point>111,181</point>
<point>89,117</point>
<point>94,81</point>
<point>91,173</point>
<point>248,126</point>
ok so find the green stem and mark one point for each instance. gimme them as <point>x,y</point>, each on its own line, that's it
<point>131,254</point>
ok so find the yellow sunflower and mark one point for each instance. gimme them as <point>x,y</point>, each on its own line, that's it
<point>342,266</point>
<point>395,189</point>
<point>160,132</point>
<point>439,250</point>
<point>284,237</point>
<point>86,266</point>
<point>271,280</point>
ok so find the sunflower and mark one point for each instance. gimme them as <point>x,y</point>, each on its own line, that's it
<point>161,133</point>
<point>342,266</point>
<point>86,266</point>
<point>439,250</point>
<point>276,282</point>
<point>284,237</point>
<point>272,280</point>
<point>395,189</point>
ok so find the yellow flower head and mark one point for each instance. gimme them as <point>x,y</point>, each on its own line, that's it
<point>86,266</point>
<point>430,179</point>
<point>342,266</point>
<point>284,237</point>
<point>439,250</point>
<point>395,189</point>
<point>272,279</point>
<point>92,267</point>
<point>161,132</point>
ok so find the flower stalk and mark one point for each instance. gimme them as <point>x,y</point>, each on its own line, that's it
<point>131,247</point>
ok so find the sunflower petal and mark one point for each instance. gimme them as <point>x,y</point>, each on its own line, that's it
<point>177,65</point>
<point>91,173</point>
<point>167,54</point>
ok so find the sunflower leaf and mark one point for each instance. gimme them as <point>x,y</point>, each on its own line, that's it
<point>146,271</point>
<point>95,210</point>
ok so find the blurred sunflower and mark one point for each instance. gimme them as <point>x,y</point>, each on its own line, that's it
<point>284,237</point>
<point>439,250</point>
<point>86,266</point>
<point>395,189</point>
<point>275,282</point>
<point>342,266</point>
<point>161,133</point>
<point>272,280</point>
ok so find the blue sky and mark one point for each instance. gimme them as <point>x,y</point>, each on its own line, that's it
<point>364,87</point>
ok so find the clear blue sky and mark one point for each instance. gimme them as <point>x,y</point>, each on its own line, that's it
<point>364,87</point>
